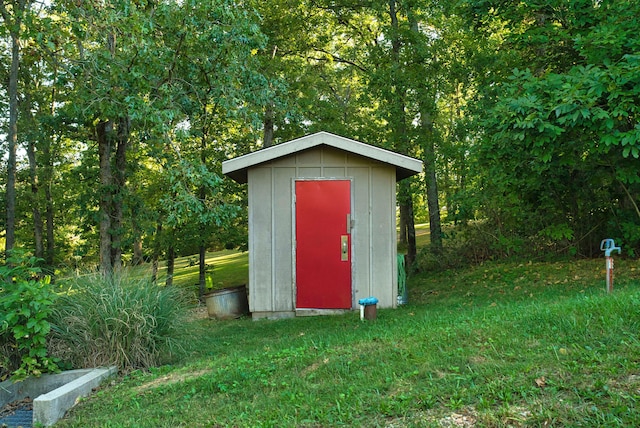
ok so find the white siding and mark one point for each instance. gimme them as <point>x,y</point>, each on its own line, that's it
<point>261,256</point>
<point>383,236</point>
<point>282,239</point>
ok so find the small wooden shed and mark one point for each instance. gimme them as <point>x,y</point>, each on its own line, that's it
<point>322,224</point>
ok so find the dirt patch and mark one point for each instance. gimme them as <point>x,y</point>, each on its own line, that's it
<point>170,379</point>
<point>478,359</point>
<point>466,418</point>
<point>458,420</point>
<point>199,313</point>
<point>313,367</point>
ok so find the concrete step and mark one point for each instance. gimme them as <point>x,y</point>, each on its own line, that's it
<point>54,393</point>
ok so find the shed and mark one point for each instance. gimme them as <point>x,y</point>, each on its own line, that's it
<point>322,224</point>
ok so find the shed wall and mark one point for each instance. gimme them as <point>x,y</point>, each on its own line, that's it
<point>271,262</point>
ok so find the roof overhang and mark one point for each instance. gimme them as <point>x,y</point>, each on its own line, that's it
<point>237,168</point>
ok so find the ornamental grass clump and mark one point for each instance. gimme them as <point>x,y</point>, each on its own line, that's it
<point>119,320</point>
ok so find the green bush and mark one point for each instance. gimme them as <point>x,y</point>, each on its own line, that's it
<point>25,306</point>
<point>475,242</point>
<point>118,320</point>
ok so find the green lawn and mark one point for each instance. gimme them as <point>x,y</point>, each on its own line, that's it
<point>227,268</point>
<point>502,344</point>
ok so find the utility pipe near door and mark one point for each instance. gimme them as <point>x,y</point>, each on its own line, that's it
<point>368,308</point>
<point>608,245</point>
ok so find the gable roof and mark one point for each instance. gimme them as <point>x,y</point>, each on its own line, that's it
<point>236,168</point>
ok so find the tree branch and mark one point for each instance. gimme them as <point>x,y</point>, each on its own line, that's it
<point>337,59</point>
<point>630,197</point>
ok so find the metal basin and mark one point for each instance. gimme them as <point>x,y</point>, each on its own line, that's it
<point>227,303</point>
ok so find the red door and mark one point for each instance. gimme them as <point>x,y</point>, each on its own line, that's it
<point>323,244</point>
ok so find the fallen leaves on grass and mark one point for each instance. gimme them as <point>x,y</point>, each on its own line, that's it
<point>541,382</point>
<point>458,420</point>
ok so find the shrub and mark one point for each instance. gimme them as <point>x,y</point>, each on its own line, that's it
<point>25,306</point>
<point>474,243</point>
<point>119,320</point>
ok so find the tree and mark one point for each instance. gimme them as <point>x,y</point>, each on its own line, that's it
<point>560,142</point>
<point>13,14</point>
<point>109,92</point>
<point>142,76</point>
<point>409,83</point>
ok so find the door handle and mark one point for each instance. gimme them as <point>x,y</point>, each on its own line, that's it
<point>344,244</point>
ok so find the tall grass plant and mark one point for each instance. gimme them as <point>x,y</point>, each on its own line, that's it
<point>118,320</point>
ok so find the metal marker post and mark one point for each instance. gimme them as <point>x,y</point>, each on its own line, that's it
<point>609,264</point>
<point>608,245</point>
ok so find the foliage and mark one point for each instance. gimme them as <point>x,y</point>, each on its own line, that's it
<point>26,300</point>
<point>476,242</point>
<point>118,320</point>
<point>499,344</point>
<point>185,79</point>
<point>184,205</point>
<point>526,114</point>
<point>558,138</point>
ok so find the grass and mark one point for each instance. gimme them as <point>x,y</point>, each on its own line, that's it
<point>502,344</point>
<point>118,320</point>
<point>227,268</point>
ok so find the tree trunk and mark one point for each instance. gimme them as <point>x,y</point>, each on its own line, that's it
<point>156,253</point>
<point>34,184</point>
<point>49,255</point>
<point>38,226</point>
<point>202,249</point>
<point>112,191</point>
<point>137,245</point>
<point>135,207</point>
<point>154,269</point>
<point>407,220</point>
<point>18,9</point>
<point>433,204</point>
<point>103,129</point>
<point>171,259</point>
<point>202,270</point>
<point>402,230</point>
<point>12,142</point>
<point>435,228</point>
<point>47,172</point>
<point>401,140</point>
<point>50,252</point>
<point>426,105</point>
<point>138,257</point>
<point>119,182</point>
<point>267,140</point>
